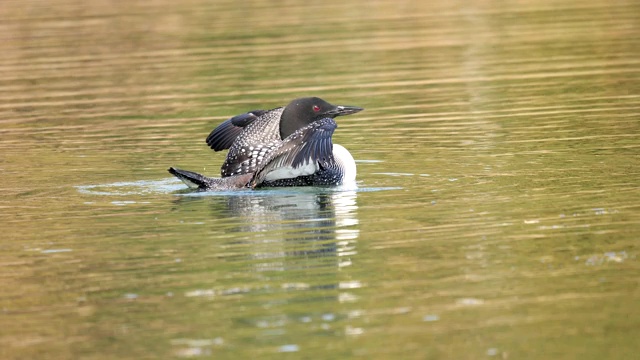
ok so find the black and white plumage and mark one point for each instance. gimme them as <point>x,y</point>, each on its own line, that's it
<point>339,170</point>
<point>263,131</point>
<point>286,146</point>
<point>305,152</point>
<point>226,133</point>
<point>247,151</point>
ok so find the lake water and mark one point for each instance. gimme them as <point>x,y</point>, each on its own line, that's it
<point>497,213</point>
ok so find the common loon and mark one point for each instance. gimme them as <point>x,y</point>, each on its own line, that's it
<point>285,146</point>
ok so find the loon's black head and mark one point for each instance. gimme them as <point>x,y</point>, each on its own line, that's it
<point>303,111</point>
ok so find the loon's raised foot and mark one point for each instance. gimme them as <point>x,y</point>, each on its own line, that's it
<point>198,181</point>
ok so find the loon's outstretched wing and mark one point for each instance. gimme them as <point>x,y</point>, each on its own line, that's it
<point>301,153</point>
<point>223,136</point>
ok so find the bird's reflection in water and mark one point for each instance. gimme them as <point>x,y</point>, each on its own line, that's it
<point>289,230</point>
<point>296,248</point>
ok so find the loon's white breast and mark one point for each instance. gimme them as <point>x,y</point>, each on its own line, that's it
<point>346,163</point>
<point>343,160</point>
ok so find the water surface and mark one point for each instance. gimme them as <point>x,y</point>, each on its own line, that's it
<point>496,216</point>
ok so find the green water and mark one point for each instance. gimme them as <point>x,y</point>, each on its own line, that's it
<point>497,214</point>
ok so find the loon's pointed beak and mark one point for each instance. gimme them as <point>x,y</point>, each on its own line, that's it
<point>344,110</point>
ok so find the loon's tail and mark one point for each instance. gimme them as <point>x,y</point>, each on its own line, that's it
<point>197,181</point>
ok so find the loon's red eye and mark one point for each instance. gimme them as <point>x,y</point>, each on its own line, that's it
<point>316,108</point>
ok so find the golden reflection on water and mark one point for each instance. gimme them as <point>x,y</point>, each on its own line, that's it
<point>498,164</point>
